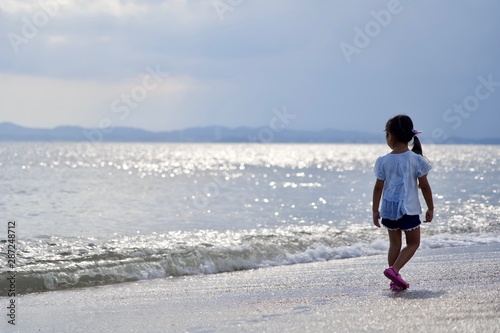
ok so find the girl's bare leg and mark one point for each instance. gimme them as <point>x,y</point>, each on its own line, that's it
<point>412,244</point>
<point>394,246</point>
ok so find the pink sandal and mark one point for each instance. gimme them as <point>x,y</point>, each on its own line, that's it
<point>395,287</point>
<point>395,277</point>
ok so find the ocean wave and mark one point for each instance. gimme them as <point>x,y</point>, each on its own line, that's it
<point>57,263</point>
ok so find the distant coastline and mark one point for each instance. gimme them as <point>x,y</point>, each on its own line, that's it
<point>13,132</point>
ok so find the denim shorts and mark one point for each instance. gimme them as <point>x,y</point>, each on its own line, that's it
<point>405,223</point>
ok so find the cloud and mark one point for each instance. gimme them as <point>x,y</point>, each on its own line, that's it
<point>85,7</point>
<point>262,55</point>
<point>40,100</point>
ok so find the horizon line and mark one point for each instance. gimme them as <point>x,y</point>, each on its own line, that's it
<point>109,130</point>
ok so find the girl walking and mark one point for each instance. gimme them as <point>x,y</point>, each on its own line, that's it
<point>399,175</point>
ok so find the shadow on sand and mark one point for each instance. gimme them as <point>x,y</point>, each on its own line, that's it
<point>417,294</point>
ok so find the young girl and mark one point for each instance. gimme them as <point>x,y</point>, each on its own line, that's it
<point>397,174</point>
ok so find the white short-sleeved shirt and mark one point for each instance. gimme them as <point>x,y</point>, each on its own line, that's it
<point>400,173</point>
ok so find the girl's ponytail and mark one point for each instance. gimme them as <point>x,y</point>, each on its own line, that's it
<point>401,127</point>
<point>417,146</point>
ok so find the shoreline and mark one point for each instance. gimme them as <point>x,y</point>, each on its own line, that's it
<point>451,289</point>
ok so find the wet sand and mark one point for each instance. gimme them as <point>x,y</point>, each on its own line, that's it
<point>452,289</point>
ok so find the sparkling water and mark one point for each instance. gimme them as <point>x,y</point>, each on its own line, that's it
<point>89,214</point>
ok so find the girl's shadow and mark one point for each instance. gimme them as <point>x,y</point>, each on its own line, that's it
<point>417,294</point>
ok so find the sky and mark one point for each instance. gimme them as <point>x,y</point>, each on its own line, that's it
<point>310,65</point>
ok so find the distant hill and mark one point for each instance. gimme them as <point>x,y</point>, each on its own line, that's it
<point>13,132</point>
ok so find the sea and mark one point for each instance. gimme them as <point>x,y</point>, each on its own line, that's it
<point>84,214</point>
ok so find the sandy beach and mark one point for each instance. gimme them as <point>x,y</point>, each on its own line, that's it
<point>452,289</point>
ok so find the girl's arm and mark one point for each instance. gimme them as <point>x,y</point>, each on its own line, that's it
<point>377,195</point>
<point>427,193</point>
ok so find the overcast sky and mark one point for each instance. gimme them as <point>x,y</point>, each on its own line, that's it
<point>171,64</point>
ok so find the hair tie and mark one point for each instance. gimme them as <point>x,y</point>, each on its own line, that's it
<point>416,132</point>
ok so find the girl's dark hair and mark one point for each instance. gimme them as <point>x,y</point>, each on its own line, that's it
<point>401,127</point>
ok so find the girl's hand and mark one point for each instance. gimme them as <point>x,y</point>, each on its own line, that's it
<point>429,215</point>
<point>376,217</point>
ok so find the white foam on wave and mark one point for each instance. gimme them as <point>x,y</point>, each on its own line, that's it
<point>452,240</point>
<point>61,263</point>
